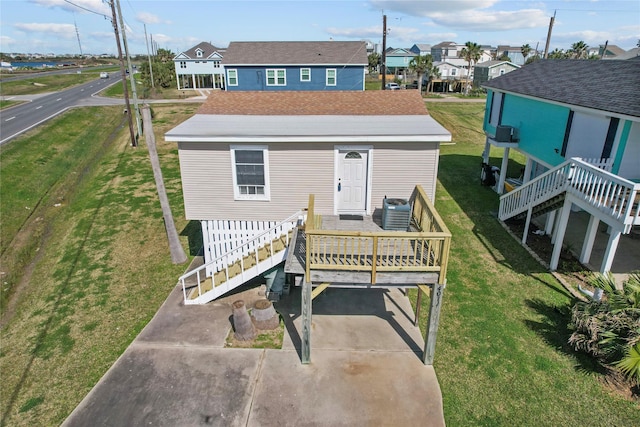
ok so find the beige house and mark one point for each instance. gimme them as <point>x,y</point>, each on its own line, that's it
<point>250,160</point>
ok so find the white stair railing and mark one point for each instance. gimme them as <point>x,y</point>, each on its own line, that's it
<point>607,192</point>
<point>195,277</point>
<point>543,187</point>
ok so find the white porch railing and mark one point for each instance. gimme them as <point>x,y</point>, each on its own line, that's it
<point>238,257</point>
<point>609,193</point>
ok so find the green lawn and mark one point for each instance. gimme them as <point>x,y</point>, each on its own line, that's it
<point>98,266</point>
<point>45,84</point>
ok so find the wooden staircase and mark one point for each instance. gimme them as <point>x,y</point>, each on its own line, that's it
<point>240,264</point>
<point>592,188</point>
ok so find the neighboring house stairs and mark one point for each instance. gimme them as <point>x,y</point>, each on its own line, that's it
<point>609,197</point>
<point>240,264</point>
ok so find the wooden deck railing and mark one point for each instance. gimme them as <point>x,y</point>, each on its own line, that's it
<point>424,250</point>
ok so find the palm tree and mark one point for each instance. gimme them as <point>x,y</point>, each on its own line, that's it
<point>526,50</point>
<point>432,73</point>
<point>374,61</point>
<point>609,329</point>
<point>557,54</point>
<point>421,65</point>
<point>579,50</point>
<point>471,53</point>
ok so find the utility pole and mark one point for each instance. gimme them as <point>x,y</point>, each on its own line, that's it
<point>148,56</point>
<point>546,47</point>
<point>383,67</point>
<point>604,50</point>
<point>132,79</point>
<point>114,21</point>
<point>77,33</point>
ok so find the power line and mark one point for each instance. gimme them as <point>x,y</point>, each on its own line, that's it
<point>88,10</point>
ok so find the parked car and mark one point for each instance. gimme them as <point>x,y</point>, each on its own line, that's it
<point>392,86</point>
<point>104,75</point>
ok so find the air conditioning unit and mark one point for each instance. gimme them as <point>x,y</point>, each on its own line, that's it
<point>396,214</point>
<point>504,133</point>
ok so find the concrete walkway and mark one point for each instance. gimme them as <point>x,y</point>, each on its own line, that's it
<point>365,370</point>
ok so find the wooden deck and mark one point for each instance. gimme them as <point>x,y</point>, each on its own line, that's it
<point>356,252</point>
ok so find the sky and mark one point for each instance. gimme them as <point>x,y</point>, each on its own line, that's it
<point>55,26</point>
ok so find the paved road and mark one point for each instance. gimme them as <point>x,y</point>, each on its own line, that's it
<point>40,108</point>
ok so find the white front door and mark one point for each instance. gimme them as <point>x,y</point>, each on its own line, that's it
<point>352,181</point>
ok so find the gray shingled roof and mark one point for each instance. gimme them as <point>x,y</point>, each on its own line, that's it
<point>296,53</point>
<point>487,64</point>
<point>207,49</point>
<point>611,86</point>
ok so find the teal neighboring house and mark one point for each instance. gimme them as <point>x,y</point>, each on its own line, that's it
<point>397,60</point>
<point>578,124</point>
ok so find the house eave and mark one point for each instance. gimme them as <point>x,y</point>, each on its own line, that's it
<point>573,107</point>
<point>334,139</point>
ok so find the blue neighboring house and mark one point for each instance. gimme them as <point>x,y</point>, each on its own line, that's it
<point>295,66</point>
<point>577,122</point>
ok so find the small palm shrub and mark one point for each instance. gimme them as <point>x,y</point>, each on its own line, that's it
<point>609,329</point>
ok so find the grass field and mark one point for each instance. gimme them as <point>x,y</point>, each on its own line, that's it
<point>100,268</point>
<point>45,84</point>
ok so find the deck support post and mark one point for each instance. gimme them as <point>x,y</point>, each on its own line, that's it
<point>562,228</point>
<point>437,290</point>
<point>548,225</point>
<point>305,351</point>
<point>503,171</point>
<point>589,239</point>
<point>610,252</point>
<point>527,223</point>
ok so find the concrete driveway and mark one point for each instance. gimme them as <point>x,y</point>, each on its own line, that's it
<point>365,370</point>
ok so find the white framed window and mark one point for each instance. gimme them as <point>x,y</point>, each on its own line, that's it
<point>331,77</point>
<point>199,53</point>
<point>305,74</point>
<point>216,64</point>
<point>232,77</point>
<point>183,64</point>
<point>276,77</point>
<point>250,164</point>
<point>453,71</point>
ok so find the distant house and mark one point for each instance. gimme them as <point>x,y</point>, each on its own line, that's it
<point>445,50</point>
<point>398,60</point>
<point>579,129</point>
<point>611,51</point>
<point>513,52</point>
<point>200,67</point>
<point>249,160</point>
<point>421,49</point>
<point>295,66</point>
<point>485,71</point>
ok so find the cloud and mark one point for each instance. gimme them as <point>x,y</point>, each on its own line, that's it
<point>66,31</point>
<point>426,8</point>
<point>467,15</point>
<point>150,18</point>
<point>492,20</point>
<point>442,36</point>
<point>360,33</point>
<point>625,37</point>
<point>6,41</point>
<point>79,6</point>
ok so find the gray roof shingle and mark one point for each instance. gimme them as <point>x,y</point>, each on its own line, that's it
<point>611,86</point>
<point>296,53</point>
<point>207,49</point>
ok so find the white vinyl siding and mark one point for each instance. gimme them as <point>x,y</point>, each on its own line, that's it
<point>232,77</point>
<point>295,171</point>
<point>305,74</point>
<point>276,77</point>
<point>332,78</point>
